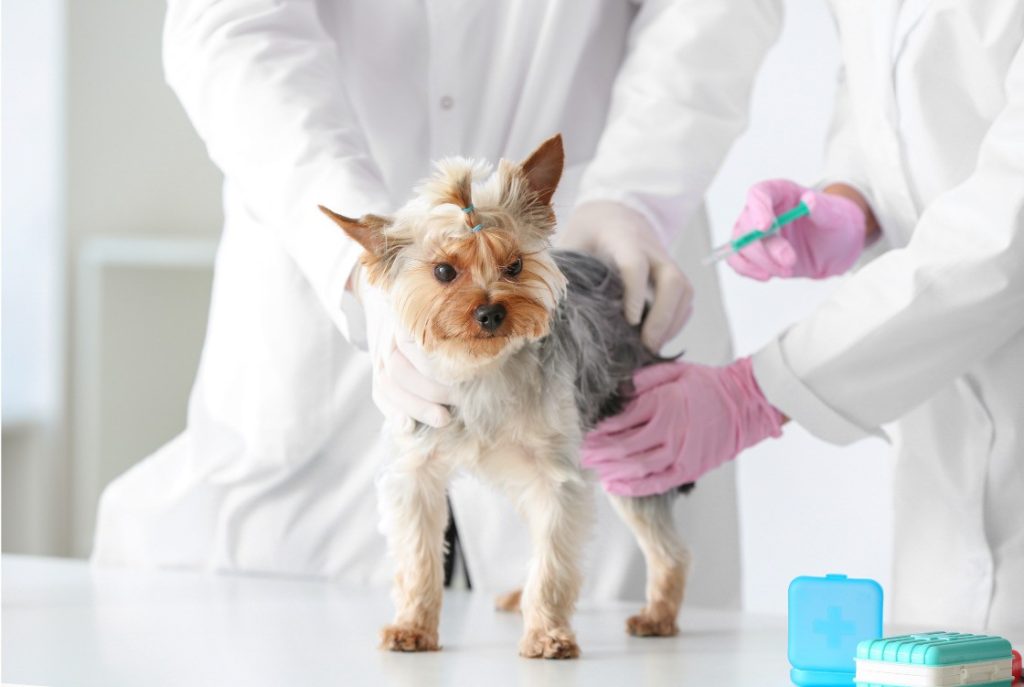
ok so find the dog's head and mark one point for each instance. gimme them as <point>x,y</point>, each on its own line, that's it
<point>466,261</point>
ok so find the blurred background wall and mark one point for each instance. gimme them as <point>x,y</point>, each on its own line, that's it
<point>32,160</point>
<point>110,217</point>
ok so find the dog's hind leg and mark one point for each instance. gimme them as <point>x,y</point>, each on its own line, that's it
<point>415,513</point>
<point>509,601</point>
<point>668,562</point>
<point>558,514</point>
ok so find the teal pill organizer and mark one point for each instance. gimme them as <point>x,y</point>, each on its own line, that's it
<point>828,617</point>
<point>934,659</point>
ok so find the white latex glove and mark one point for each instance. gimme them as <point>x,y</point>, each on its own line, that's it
<point>623,237</point>
<point>402,388</point>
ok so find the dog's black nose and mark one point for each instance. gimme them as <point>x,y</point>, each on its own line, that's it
<point>490,316</point>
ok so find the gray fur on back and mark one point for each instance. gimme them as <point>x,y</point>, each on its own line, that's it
<point>590,334</point>
<point>589,355</point>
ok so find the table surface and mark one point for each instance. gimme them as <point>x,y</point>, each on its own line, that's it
<point>65,623</point>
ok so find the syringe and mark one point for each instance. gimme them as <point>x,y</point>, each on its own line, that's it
<point>738,243</point>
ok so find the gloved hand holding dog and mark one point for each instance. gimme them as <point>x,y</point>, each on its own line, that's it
<point>403,389</point>
<point>624,238</point>
<point>685,420</point>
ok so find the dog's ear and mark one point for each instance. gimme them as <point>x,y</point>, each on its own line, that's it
<point>381,250</point>
<point>543,168</point>
<point>368,230</point>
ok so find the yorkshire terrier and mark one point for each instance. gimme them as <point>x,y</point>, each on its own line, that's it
<point>536,346</point>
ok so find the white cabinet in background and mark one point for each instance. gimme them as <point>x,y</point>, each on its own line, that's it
<point>141,308</point>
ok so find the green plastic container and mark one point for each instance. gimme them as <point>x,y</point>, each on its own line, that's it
<point>934,659</point>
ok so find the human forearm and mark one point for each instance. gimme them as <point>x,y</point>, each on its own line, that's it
<point>919,316</point>
<point>260,81</point>
<point>680,99</point>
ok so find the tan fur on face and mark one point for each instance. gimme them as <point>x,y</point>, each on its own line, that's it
<point>513,207</point>
<point>440,314</point>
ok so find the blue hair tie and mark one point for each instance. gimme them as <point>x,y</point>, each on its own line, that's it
<point>477,228</point>
<point>468,209</point>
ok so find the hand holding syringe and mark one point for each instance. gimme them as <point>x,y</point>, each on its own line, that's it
<point>737,244</point>
<point>787,230</point>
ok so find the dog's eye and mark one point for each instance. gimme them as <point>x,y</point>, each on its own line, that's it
<point>444,272</point>
<point>515,268</point>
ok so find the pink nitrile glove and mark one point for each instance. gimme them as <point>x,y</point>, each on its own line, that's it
<point>822,244</point>
<point>684,420</point>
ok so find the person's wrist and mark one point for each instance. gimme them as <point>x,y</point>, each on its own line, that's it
<point>870,224</point>
<point>758,419</point>
<point>621,212</point>
<point>597,210</point>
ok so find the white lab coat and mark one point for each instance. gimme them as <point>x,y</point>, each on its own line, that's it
<point>930,335</point>
<point>304,102</point>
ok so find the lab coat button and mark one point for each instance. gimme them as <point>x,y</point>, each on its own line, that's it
<point>447,102</point>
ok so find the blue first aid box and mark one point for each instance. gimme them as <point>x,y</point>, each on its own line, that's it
<point>828,617</point>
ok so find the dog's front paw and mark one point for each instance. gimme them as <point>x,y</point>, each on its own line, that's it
<point>647,624</point>
<point>508,602</point>
<point>557,643</point>
<point>407,638</point>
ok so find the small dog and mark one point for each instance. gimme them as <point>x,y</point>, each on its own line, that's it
<point>537,348</point>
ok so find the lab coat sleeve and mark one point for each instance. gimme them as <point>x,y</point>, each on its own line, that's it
<point>915,318</point>
<point>261,82</point>
<point>679,101</point>
<point>844,162</point>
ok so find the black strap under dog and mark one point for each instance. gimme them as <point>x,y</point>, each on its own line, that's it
<point>453,549</point>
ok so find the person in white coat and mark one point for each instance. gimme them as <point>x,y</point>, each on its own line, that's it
<point>924,343</point>
<point>345,104</point>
